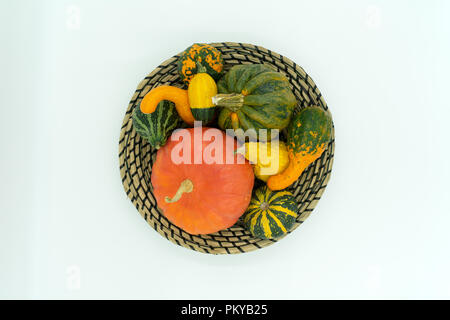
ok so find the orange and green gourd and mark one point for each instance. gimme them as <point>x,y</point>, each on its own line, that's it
<point>200,58</point>
<point>271,214</point>
<point>254,96</point>
<point>308,136</point>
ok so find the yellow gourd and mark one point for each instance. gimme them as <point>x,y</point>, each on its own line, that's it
<point>202,88</point>
<point>268,159</point>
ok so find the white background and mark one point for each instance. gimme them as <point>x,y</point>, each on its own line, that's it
<point>68,71</point>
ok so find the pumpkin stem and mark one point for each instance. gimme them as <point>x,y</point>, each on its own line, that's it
<point>264,205</point>
<point>231,101</point>
<point>185,186</point>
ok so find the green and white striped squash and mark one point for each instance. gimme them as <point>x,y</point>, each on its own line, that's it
<point>271,214</point>
<point>156,127</point>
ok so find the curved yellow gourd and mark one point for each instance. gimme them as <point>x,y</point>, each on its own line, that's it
<point>176,95</point>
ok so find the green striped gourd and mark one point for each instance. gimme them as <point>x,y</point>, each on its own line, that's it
<point>156,127</point>
<point>254,96</point>
<point>270,214</point>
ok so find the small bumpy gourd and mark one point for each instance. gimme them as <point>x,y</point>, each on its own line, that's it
<point>198,58</point>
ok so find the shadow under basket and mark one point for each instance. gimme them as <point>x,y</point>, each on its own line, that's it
<point>136,156</point>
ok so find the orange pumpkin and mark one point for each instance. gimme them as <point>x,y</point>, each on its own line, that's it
<point>203,197</point>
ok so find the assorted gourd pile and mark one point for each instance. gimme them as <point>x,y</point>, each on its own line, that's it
<point>203,197</point>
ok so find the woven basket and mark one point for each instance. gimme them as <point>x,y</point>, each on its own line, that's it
<point>136,156</point>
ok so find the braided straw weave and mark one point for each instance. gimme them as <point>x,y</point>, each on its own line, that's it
<point>136,156</point>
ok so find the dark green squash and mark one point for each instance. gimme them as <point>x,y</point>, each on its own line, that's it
<point>156,127</point>
<point>257,96</point>
<point>271,214</point>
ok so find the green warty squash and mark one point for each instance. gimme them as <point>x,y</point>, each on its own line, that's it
<point>198,58</point>
<point>308,136</point>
